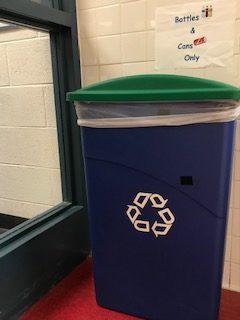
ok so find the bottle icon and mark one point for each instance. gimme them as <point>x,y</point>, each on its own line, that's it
<point>210,11</point>
<point>207,12</point>
<point>203,12</point>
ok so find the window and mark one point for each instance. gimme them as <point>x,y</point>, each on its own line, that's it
<point>50,241</point>
<point>30,176</point>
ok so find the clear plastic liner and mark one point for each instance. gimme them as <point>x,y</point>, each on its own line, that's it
<point>116,115</point>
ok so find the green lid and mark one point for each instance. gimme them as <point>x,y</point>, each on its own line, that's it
<point>153,87</point>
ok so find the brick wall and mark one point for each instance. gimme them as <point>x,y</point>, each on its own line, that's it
<point>29,163</point>
<point>116,39</point>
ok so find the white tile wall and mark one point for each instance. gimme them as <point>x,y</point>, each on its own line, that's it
<point>134,47</point>
<point>18,34</point>
<point>89,51</point>
<point>125,37</point>
<point>230,222</point>
<point>49,103</point>
<point>4,76</point>
<point>109,71</point>
<point>29,147</point>
<point>237,38</point>
<point>108,20</point>
<point>236,223</point>
<point>150,45</point>
<point>236,167</point>
<point>22,107</point>
<point>235,255</point>
<point>102,3</point>
<point>29,162</point>
<point>236,198</point>
<point>132,68</point>
<point>21,208</point>
<point>109,49</point>
<point>133,16</point>
<point>235,277</point>
<point>86,4</point>
<point>134,22</point>
<point>228,247</point>
<point>87,23</point>
<point>150,12</point>
<point>30,184</point>
<point>29,62</point>
<point>226,275</point>
<point>90,74</point>
<point>237,140</point>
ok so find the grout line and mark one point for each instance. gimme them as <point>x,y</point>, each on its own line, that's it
<point>121,38</point>
<point>116,34</point>
<point>146,32</point>
<point>30,202</point>
<point>105,5</point>
<point>118,63</point>
<point>24,40</point>
<point>25,202</point>
<point>8,66</point>
<point>25,166</point>
<point>26,85</point>
<point>28,127</point>
<point>121,3</point>
<point>44,106</point>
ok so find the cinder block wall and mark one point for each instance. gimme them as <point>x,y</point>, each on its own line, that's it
<point>29,162</point>
<point>117,38</point>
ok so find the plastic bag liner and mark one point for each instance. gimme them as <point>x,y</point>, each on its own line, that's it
<point>115,115</point>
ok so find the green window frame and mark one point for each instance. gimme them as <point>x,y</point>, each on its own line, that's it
<point>49,245</point>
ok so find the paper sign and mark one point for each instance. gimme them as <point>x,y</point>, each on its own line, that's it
<point>195,35</point>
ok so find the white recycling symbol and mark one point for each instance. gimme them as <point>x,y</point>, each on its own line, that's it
<point>165,214</point>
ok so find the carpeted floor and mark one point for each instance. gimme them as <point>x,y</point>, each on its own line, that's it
<point>73,299</point>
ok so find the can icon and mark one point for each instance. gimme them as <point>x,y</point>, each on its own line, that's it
<point>199,41</point>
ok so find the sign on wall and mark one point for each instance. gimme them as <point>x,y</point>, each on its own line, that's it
<point>195,35</point>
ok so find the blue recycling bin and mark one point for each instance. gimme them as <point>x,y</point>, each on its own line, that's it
<point>158,155</point>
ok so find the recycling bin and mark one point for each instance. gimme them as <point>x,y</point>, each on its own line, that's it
<point>158,155</point>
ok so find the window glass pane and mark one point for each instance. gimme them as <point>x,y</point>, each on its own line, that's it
<point>30,177</point>
<point>43,2</point>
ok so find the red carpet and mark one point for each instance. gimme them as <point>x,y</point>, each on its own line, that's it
<point>74,299</point>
